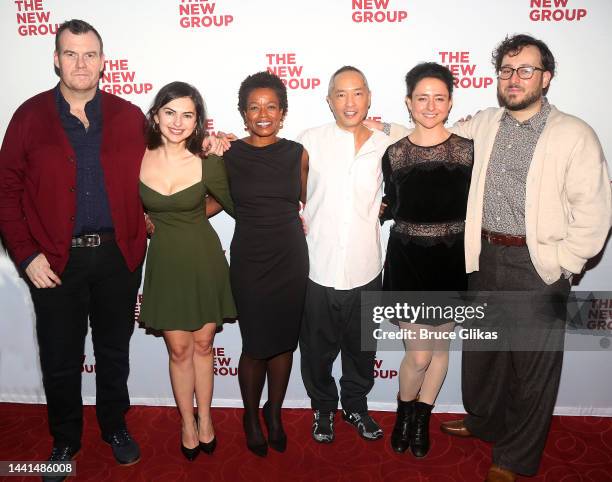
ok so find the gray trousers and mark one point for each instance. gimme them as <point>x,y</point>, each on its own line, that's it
<point>509,392</point>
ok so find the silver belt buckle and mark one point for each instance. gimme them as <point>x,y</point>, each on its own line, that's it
<point>91,240</point>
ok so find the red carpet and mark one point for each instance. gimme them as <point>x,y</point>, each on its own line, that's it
<point>578,449</point>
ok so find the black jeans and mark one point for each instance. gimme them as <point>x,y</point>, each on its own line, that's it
<point>96,284</point>
<point>332,325</point>
<point>509,393</point>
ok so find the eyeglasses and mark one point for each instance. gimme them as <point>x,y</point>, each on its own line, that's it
<point>523,72</point>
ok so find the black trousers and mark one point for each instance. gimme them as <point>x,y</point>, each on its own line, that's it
<point>332,325</point>
<point>509,393</point>
<point>96,284</point>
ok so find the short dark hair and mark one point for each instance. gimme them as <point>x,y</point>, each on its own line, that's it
<point>513,45</point>
<point>76,27</point>
<point>262,80</point>
<point>169,92</point>
<point>426,70</point>
<point>341,70</point>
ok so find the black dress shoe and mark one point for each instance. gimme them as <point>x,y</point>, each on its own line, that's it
<point>258,448</point>
<point>278,443</point>
<point>190,454</point>
<point>125,448</point>
<point>209,447</point>
<point>59,454</point>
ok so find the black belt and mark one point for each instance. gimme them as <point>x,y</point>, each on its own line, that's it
<point>92,240</point>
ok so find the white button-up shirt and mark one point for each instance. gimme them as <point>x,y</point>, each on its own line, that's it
<point>342,204</point>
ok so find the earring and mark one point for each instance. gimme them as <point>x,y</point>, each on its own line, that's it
<point>155,126</point>
<point>281,125</point>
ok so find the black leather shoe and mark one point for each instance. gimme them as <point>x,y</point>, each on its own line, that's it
<point>419,433</point>
<point>258,448</point>
<point>400,437</point>
<point>125,448</point>
<point>190,454</point>
<point>60,453</point>
<point>278,443</point>
<point>209,447</point>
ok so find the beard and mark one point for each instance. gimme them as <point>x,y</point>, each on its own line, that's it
<point>510,104</point>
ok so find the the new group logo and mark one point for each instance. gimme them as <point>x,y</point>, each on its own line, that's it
<point>195,14</point>
<point>384,373</point>
<point>222,364</point>
<point>119,79</point>
<point>376,11</point>
<point>555,11</point>
<point>286,67</point>
<point>33,19</point>
<point>88,367</point>
<point>464,71</point>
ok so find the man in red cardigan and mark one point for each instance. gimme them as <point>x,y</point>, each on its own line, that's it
<point>72,220</point>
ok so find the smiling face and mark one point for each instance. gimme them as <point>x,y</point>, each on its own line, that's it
<point>176,120</point>
<point>349,100</point>
<point>520,94</point>
<point>79,62</point>
<point>430,103</point>
<point>263,116</point>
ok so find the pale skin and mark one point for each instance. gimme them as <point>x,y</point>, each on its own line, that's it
<point>167,170</point>
<point>516,90</point>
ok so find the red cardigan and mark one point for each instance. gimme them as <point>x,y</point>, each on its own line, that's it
<point>38,180</point>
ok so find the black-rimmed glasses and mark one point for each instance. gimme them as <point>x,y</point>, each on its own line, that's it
<point>524,73</point>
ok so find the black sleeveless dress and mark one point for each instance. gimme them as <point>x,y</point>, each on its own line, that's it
<point>426,190</point>
<point>269,256</point>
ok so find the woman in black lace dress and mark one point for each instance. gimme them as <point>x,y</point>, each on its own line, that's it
<point>427,178</point>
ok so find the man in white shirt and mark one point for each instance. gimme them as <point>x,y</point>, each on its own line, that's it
<point>342,205</point>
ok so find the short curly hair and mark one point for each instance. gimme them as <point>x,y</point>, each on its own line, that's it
<point>262,80</point>
<point>513,45</point>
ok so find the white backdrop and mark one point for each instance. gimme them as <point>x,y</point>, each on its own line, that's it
<point>214,45</point>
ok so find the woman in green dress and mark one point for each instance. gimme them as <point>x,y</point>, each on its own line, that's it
<point>187,291</point>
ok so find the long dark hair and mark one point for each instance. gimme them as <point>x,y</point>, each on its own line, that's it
<point>169,92</point>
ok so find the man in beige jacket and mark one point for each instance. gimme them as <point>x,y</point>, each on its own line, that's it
<point>539,207</point>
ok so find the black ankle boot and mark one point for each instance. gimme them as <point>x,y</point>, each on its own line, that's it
<point>400,437</point>
<point>419,433</point>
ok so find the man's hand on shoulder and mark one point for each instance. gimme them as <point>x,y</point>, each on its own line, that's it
<point>40,273</point>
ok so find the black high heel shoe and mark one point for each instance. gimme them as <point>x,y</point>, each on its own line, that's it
<point>190,454</point>
<point>279,444</point>
<point>259,449</point>
<point>209,447</point>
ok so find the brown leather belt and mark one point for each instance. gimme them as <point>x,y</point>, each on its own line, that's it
<point>504,239</point>
<point>92,240</point>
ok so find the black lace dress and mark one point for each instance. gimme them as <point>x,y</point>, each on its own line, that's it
<point>426,190</point>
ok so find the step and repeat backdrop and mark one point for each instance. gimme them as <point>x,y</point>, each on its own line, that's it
<point>214,45</point>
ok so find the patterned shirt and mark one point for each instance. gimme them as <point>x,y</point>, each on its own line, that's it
<point>505,185</point>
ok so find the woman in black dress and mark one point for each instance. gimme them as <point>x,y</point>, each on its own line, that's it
<point>427,178</point>
<point>269,257</point>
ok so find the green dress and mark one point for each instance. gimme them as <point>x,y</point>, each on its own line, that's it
<point>186,280</point>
